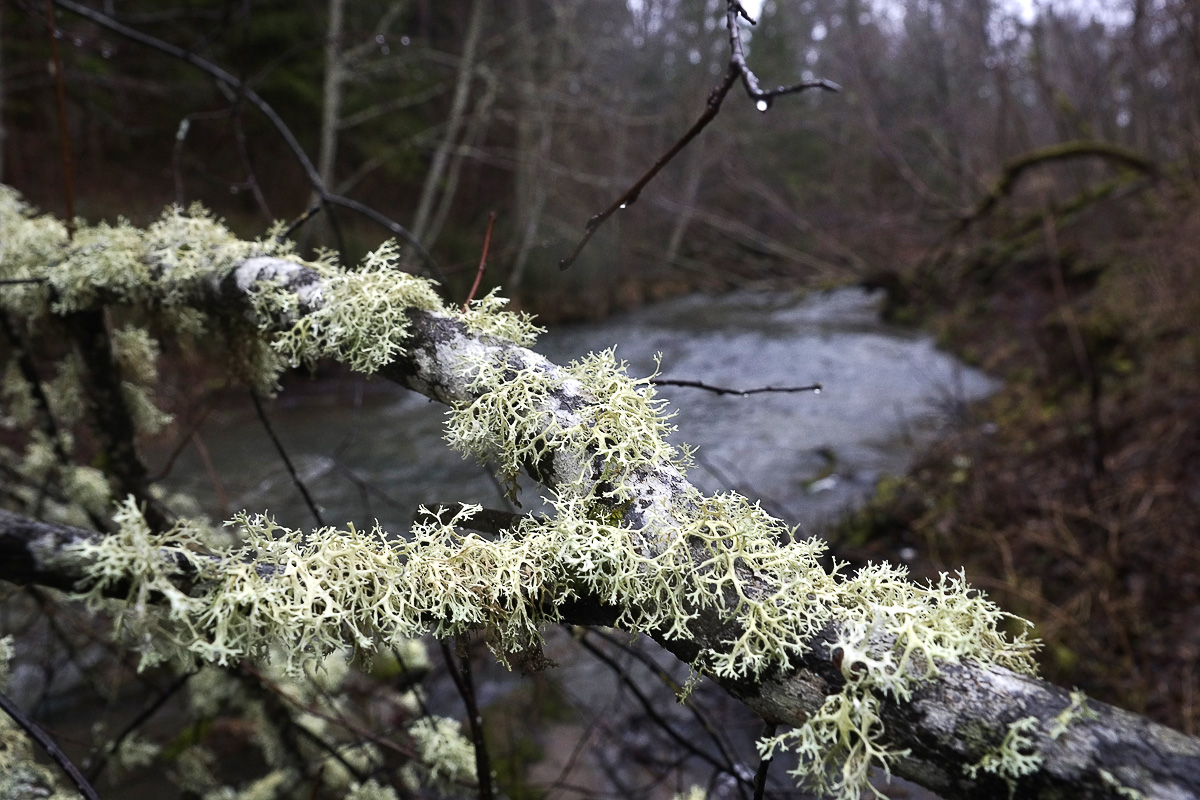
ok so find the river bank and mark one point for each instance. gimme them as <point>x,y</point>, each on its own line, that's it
<point>1072,495</point>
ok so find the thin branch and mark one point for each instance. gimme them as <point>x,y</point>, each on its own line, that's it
<point>358,730</point>
<point>764,765</point>
<point>287,462</point>
<point>737,58</point>
<point>652,712</point>
<point>22,280</point>
<point>292,226</point>
<point>242,89</point>
<point>395,227</point>
<point>47,744</point>
<point>815,388</point>
<point>665,678</point>
<point>487,241</point>
<point>181,134</point>
<point>737,69</point>
<point>466,689</point>
<point>135,723</point>
<point>182,444</point>
<point>711,108</point>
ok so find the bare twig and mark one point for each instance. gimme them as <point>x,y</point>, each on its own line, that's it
<point>815,388</point>
<point>182,444</point>
<point>292,226</point>
<point>466,689</point>
<point>47,744</point>
<point>760,777</point>
<point>287,462</point>
<point>340,720</point>
<point>737,59</point>
<point>737,69</point>
<point>711,108</point>
<point>135,723</point>
<point>682,741</point>
<point>487,240</point>
<point>395,227</point>
<point>243,90</point>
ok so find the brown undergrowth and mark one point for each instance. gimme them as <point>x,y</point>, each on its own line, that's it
<point>1073,495</point>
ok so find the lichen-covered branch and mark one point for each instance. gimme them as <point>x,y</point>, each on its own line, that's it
<point>871,669</point>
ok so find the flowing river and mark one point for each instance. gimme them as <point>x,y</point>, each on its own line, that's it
<point>374,451</point>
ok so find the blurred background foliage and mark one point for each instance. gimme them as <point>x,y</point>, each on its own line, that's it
<point>545,111</point>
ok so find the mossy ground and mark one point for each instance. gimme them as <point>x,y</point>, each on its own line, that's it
<point>1073,495</point>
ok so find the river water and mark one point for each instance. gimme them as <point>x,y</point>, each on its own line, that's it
<point>376,451</point>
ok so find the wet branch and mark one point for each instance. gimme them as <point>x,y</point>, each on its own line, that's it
<point>224,78</point>
<point>287,461</point>
<point>738,68</point>
<point>487,241</point>
<point>815,388</point>
<point>47,744</point>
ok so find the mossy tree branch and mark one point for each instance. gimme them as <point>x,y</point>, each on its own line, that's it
<point>872,669</point>
<point>951,722</point>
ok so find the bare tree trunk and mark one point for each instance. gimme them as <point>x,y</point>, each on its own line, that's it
<point>534,137</point>
<point>3,130</point>
<point>335,77</point>
<point>697,165</point>
<point>331,113</point>
<point>473,136</point>
<point>458,107</point>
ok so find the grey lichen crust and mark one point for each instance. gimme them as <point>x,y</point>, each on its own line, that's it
<point>628,530</point>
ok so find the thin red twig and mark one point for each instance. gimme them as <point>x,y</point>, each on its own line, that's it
<point>487,241</point>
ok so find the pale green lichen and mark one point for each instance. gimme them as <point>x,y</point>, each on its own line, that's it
<point>88,487</point>
<point>892,633</point>
<point>370,790</point>
<point>363,317</point>
<point>359,317</point>
<point>1114,783</point>
<point>136,353</point>
<point>512,423</point>
<point>319,591</point>
<point>20,774</point>
<point>18,409</point>
<point>66,394</point>
<point>486,316</point>
<point>269,787</point>
<point>1016,756</point>
<point>1077,710</point>
<point>135,752</point>
<point>447,757</point>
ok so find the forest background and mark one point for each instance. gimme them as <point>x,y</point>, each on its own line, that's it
<point>1021,181</point>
